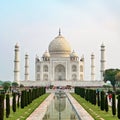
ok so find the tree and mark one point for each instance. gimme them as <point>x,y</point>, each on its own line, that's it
<point>117,78</point>
<point>6,86</point>
<point>113,104</point>
<point>1,106</point>
<point>102,100</point>
<point>21,86</point>
<point>18,100</point>
<point>98,98</point>
<point>14,102</point>
<point>110,74</point>
<point>118,107</point>
<point>7,105</point>
<point>106,104</point>
<point>14,84</point>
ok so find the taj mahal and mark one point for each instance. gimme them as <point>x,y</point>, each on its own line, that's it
<point>58,66</point>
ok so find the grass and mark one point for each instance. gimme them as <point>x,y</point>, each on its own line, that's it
<point>22,114</point>
<point>94,110</point>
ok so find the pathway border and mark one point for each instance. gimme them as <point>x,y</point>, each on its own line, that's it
<point>39,112</point>
<point>84,115</point>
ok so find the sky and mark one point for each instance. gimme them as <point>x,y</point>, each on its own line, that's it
<point>33,24</point>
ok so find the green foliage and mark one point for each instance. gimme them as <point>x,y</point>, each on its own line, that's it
<point>87,95</point>
<point>7,105</point>
<point>23,99</point>
<point>98,98</point>
<point>21,86</point>
<point>94,97</point>
<point>94,110</point>
<point>6,86</point>
<point>106,104</point>
<point>26,98</point>
<point>113,104</point>
<point>80,91</point>
<point>118,107</point>
<point>22,114</point>
<point>110,74</point>
<point>14,102</point>
<point>18,101</point>
<point>102,105</point>
<point>15,84</point>
<point>1,106</point>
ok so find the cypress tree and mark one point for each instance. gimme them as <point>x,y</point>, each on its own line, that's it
<point>7,105</point>
<point>94,97</point>
<point>18,101</point>
<point>14,102</point>
<point>106,104</point>
<point>26,99</point>
<point>1,106</point>
<point>118,107</point>
<point>113,104</point>
<point>86,94</point>
<point>22,99</point>
<point>102,100</point>
<point>98,98</point>
<point>30,95</point>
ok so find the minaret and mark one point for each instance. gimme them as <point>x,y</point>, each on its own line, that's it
<point>59,32</point>
<point>26,67</point>
<point>92,67</point>
<point>102,61</point>
<point>17,65</point>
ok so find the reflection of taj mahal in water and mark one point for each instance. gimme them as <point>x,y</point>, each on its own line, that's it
<point>58,66</point>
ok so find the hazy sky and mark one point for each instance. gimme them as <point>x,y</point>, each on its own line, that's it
<point>33,24</point>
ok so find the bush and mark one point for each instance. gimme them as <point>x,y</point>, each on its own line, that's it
<point>7,105</point>
<point>102,100</point>
<point>1,106</point>
<point>98,98</point>
<point>14,102</point>
<point>113,104</point>
<point>118,107</point>
<point>23,99</point>
<point>106,104</point>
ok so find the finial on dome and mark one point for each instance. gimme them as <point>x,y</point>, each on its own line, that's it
<point>59,31</point>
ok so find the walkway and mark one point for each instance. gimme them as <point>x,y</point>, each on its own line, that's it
<point>84,115</point>
<point>39,113</point>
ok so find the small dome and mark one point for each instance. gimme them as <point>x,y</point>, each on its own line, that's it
<point>46,54</point>
<point>59,46</point>
<point>73,54</point>
<point>16,46</point>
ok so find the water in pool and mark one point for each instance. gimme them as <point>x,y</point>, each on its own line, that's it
<point>60,108</point>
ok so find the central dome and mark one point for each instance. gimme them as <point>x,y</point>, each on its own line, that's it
<point>59,46</point>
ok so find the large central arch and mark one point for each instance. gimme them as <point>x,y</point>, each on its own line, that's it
<point>60,72</point>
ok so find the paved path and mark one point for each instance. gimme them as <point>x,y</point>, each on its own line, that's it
<point>39,113</point>
<point>84,115</point>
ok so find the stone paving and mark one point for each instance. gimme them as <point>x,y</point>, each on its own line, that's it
<point>39,113</point>
<point>84,115</point>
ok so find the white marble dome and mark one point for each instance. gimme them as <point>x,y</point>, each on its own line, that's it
<point>59,46</point>
<point>73,54</point>
<point>46,54</point>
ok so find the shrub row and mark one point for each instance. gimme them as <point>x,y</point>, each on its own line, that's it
<point>95,96</point>
<point>25,98</point>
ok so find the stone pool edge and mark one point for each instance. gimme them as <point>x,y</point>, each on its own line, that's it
<point>82,113</point>
<point>40,111</point>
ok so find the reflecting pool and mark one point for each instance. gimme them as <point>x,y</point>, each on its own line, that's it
<point>60,108</point>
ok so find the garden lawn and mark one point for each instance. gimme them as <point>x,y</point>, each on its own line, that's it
<point>94,110</point>
<point>22,114</point>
